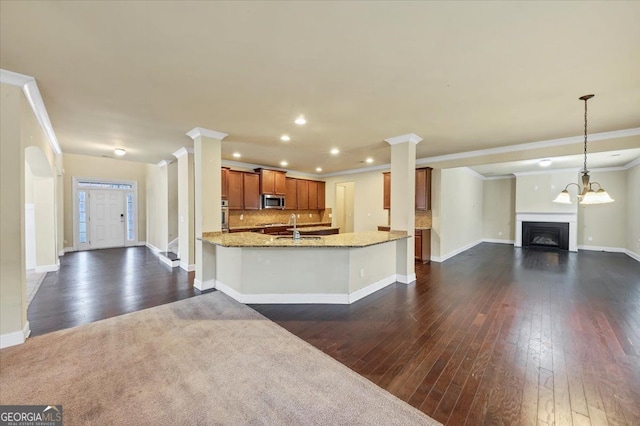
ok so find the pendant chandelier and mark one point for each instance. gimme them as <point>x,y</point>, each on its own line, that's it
<point>586,194</point>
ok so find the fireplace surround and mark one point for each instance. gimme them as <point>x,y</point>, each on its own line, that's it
<point>567,218</point>
<point>546,234</point>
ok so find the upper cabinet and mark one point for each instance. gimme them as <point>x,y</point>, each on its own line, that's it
<point>224,178</point>
<point>313,195</point>
<point>423,189</point>
<point>303,194</point>
<point>251,195</point>
<point>272,182</point>
<point>243,190</point>
<point>321,195</point>
<point>291,194</point>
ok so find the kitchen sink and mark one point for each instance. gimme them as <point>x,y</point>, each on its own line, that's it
<point>306,237</point>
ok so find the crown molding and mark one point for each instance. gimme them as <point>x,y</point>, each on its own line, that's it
<point>200,132</point>
<point>31,92</point>
<point>183,151</point>
<point>632,164</point>
<point>548,171</point>
<point>409,137</point>
<point>473,173</point>
<point>162,163</point>
<point>616,134</point>
<point>499,177</point>
<point>356,171</point>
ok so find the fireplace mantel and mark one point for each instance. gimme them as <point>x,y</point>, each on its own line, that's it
<point>570,218</point>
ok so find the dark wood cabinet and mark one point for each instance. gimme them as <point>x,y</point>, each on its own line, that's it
<point>303,194</point>
<point>235,192</point>
<point>321,195</point>
<point>251,195</point>
<point>423,245</point>
<point>291,194</point>
<point>423,188</point>
<point>386,197</point>
<point>272,182</point>
<point>224,183</point>
<point>313,195</point>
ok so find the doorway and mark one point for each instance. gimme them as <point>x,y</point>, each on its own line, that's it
<point>344,206</point>
<point>106,219</point>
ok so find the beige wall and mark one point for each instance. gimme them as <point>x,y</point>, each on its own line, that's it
<point>535,193</point>
<point>108,169</point>
<point>633,210</point>
<point>157,206</point>
<point>605,223</point>
<point>460,210</point>
<point>498,209</point>
<point>367,199</point>
<point>172,189</point>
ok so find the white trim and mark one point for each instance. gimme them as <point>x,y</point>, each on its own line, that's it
<point>169,262</point>
<point>206,285</point>
<point>493,240</point>
<point>69,249</point>
<point>16,337</point>
<point>632,164</point>
<point>616,134</point>
<point>409,137</point>
<point>141,243</point>
<point>356,171</point>
<point>153,248</point>
<point>47,268</point>
<point>183,151</point>
<point>200,132</point>
<point>406,279</point>
<point>162,163</point>
<point>187,267</point>
<point>511,176</point>
<point>548,172</point>
<point>31,92</point>
<point>632,255</point>
<point>599,248</point>
<point>456,252</point>
<point>570,218</point>
<point>61,252</point>
<point>372,288</point>
<point>473,173</point>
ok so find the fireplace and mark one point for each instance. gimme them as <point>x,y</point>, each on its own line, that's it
<point>545,234</point>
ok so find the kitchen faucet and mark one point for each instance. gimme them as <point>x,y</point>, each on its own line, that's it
<point>296,233</point>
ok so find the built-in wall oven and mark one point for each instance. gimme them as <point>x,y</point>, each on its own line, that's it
<point>225,215</point>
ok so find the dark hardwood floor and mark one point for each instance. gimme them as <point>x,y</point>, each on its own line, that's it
<point>98,284</point>
<point>496,335</point>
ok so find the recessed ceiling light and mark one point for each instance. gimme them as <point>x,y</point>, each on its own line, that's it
<point>284,163</point>
<point>544,163</point>
<point>119,152</point>
<point>300,120</point>
<point>285,138</point>
<point>236,155</point>
<point>335,151</point>
<point>318,169</point>
<point>369,160</point>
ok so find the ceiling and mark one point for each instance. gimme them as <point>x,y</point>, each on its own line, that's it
<point>464,76</point>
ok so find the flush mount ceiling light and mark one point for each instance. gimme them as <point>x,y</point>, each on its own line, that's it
<point>119,152</point>
<point>284,163</point>
<point>300,121</point>
<point>369,160</point>
<point>335,151</point>
<point>285,138</point>
<point>236,155</point>
<point>586,195</point>
<point>318,169</point>
<point>544,163</point>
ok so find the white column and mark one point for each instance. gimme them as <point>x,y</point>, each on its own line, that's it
<point>186,209</point>
<point>207,197</point>
<point>403,215</point>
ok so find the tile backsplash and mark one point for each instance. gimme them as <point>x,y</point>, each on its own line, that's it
<point>423,218</point>
<point>260,217</point>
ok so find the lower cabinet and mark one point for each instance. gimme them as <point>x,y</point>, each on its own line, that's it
<point>423,245</point>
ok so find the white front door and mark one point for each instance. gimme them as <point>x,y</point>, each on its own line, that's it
<point>106,219</point>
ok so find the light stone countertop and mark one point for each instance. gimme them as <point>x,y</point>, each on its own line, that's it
<point>252,239</point>
<point>421,228</point>
<point>300,225</point>
<point>308,229</point>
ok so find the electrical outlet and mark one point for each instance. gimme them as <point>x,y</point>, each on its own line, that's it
<point>298,215</point>
<point>241,217</point>
<point>309,214</point>
<point>361,273</point>
<point>500,233</point>
<point>590,238</point>
<point>330,215</point>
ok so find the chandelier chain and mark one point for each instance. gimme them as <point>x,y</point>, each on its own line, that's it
<point>585,135</point>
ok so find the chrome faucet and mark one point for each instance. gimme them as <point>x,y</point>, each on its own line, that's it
<point>296,233</point>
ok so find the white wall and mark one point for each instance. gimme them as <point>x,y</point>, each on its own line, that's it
<point>367,199</point>
<point>633,211</point>
<point>172,189</point>
<point>498,209</point>
<point>535,192</point>
<point>157,206</point>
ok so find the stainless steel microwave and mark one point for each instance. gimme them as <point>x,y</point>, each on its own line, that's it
<point>273,202</point>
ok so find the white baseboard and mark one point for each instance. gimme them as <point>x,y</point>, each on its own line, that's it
<point>449,255</point>
<point>188,267</point>
<point>598,248</point>
<point>206,285</point>
<point>69,249</point>
<point>632,255</point>
<point>15,338</point>
<point>153,248</point>
<point>169,262</point>
<point>47,268</point>
<point>61,253</point>
<point>493,240</point>
<point>306,298</point>
<point>141,243</point>
<point>406,279</point>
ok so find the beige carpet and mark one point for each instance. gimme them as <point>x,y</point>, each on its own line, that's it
<point>204,360</point>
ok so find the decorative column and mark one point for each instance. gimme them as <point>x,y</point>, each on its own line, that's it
<point>403,189</point>
<point>207,197</point>
<point>186,209</point>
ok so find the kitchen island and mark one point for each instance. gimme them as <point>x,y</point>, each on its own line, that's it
<point>340,268</point>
